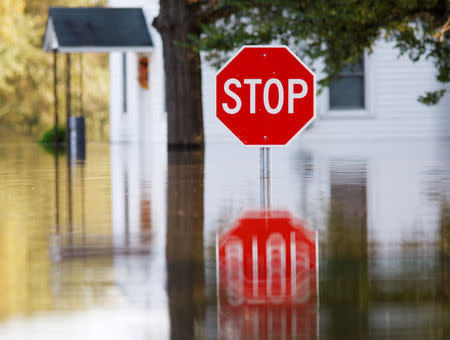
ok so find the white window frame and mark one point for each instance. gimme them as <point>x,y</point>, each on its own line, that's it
<point>367,112</point>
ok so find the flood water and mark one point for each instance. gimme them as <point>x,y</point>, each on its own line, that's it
<point>125,245</point>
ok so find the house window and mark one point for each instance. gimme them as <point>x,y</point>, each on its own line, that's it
<point>124,82</point>
<point>347,90</point>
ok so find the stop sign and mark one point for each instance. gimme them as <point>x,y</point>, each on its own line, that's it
<point>265,95</point>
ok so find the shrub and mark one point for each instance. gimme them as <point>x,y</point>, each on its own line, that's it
<point>49,136</point>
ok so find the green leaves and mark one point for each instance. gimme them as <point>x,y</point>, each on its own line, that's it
<point>432,97</point>
<point>333,32</point>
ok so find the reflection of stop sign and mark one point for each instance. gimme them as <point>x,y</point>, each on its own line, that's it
<point>267,273</point>
<point>268,259</point>
<point>265,95</point>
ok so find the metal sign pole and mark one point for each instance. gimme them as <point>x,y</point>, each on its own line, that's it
<point>265,173</point>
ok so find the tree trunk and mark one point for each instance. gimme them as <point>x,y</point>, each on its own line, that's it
<point>183,74</point>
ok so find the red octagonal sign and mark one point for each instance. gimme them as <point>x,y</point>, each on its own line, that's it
<point>265,95</point>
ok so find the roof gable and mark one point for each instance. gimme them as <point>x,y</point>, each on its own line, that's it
<point>96,29</point>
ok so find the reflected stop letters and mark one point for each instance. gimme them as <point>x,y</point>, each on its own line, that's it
<point>267,265</point>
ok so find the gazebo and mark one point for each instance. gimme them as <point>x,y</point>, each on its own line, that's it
<point>90,29</point>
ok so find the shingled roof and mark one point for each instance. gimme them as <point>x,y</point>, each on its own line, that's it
<point>96,29</point>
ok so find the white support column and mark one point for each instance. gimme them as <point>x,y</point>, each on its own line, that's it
<point>118,120</point>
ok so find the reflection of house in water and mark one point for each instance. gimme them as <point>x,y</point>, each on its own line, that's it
<point>111,247</point>
<point>445,247</point>
<point>347,247</point>
<point>383,233</point>
<point>131,194</point>
<point>76,237</point>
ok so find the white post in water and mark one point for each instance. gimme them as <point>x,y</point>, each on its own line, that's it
<point>265,177</point>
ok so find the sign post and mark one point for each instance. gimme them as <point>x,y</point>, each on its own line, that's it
<point>265,169</point>
<point>265,95</point>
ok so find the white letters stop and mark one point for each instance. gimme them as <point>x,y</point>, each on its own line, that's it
<point>273,82</point>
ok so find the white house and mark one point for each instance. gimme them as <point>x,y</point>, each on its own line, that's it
<point>377,99</point>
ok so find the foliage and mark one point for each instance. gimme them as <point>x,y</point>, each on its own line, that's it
<point>47,141</point>
<point>49,136</point>
<point>333,32</point>
<point>432,97</point>
<point>26,71</point>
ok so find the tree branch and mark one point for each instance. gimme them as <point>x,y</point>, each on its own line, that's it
<point>211,15</point>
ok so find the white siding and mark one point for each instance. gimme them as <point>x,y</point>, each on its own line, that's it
<point>145,119</point>
<point>396,84</point>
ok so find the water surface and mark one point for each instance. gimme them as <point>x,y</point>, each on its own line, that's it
<point>123,244</point>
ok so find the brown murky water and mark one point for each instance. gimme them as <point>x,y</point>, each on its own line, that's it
<point>124,244</point>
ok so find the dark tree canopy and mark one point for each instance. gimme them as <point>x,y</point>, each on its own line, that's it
<point>336,32</point>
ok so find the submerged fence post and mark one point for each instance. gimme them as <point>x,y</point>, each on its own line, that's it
<point>68,109</point>
<point>55,95</point>
<point>81,85</point>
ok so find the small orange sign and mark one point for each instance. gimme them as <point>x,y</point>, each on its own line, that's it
<point>143,72</point>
